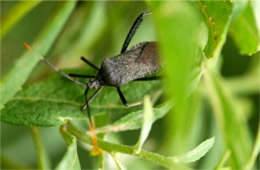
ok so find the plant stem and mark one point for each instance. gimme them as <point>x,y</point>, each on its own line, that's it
<point>42,160</point>
<point>111,147</point>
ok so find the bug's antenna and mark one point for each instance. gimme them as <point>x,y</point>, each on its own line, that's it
<point>27,46</point>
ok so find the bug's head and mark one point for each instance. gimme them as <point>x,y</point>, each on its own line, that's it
<point>93,84</point>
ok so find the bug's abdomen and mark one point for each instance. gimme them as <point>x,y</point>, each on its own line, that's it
<point>140,61</point>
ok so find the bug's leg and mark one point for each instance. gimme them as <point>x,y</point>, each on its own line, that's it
<point>80,75</point>
<point>89,63</point>
<point>149,78</point>
<point>133,29</point>
<point>96,150</point>
<point>122,97</point>
<point>91,98</point>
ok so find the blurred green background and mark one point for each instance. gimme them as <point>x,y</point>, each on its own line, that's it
<point>97,30</point>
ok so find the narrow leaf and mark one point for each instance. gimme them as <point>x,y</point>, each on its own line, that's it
<point>13,81</point>
<point>217,15</point>
<point>196,153</point>
<point>147,124</point>
<point>234,130</point>
<point>178,26</point>
<point>70,160</point>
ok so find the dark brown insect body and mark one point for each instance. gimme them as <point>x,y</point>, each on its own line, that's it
<point>138,62</point>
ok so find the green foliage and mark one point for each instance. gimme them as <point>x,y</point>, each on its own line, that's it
<point>12,82</point>
<point>245,31</point>
<point>217,16</point>
<point>70,160</point>
<point>237,139</point>
<point>196,99</point>
<point>9,20</point>
<point>147,124</point>
<point>54,101</point>
<point>197,152</point>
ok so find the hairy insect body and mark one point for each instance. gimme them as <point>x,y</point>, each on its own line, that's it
<point>138,62</point>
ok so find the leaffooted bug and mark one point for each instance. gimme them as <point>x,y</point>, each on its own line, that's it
<point>130,65</point>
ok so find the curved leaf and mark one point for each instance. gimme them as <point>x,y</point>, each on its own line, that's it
<point>196,153</point>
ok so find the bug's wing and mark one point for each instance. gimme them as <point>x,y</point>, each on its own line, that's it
<point>141,60</point>
<point>148,58</point>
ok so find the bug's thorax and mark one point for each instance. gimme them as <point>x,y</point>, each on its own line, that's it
<point>93,84</point>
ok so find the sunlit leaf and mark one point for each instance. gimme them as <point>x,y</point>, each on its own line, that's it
<point>147,123</point>
<point>178,25</point>
<point>196,153</point>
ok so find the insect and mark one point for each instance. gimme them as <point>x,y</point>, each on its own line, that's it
<point>130,65</point>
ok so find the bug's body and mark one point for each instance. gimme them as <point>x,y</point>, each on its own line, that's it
<point>138,62</point>
<point>130,65</point>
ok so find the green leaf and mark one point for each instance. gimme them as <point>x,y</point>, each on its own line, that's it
<point>70,160</point>
<point>245,32</point>
<point>54,101</point>
<point>135,120</point>
<point>234,130</point>
<point>147,123</point>
<point>196,153</point>
<point>217,16</point>
<point>178,25</point>
<point>13,81</point>
<point>15,14</point>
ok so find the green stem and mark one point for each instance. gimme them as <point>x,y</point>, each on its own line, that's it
<point>111,147</point>
<point>42,159</point>
<point>255,152</point>
<point>221,164</point>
